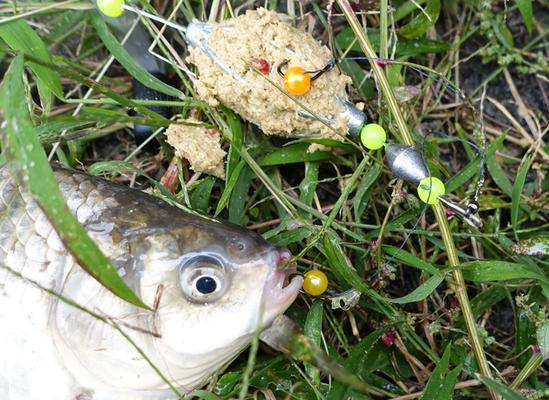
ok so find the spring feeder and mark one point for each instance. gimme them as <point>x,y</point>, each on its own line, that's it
<point>407,163</point>
<point>260,66</point>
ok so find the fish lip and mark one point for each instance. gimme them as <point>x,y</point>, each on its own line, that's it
<point>281,285</point>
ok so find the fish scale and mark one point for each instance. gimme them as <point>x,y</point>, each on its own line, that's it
<point>54,351</point>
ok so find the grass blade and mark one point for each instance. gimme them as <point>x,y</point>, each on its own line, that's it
<point>307,187</point>
<point>313,330</point>
<point>365,189</point>
<point>409,259</point>
<point>448,386</point>
<point>200,196</point>
<point>29,162</point>
<point>494,270</point>
<point>437,376</point>
<point>340,264</point>
<point>517,191</point>
<point>123,57</point>
<point>231,182</point>
<point>295,153</point>
<point>505,392</point>
<point>495,169</point>
<point>421,292</point>
<point>525,8</point>
<point>21,37</point>
<point>423,21</point>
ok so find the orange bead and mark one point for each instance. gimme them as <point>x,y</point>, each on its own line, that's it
<point>297,81</point>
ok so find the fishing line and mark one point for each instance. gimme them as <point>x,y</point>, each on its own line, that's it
<point>471,208</point>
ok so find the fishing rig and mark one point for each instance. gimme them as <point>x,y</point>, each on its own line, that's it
<point>296,84</point>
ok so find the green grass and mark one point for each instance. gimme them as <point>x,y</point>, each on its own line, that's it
<point>465,307</point>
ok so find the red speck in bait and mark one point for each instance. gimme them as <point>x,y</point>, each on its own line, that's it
<point>388,338</point>
<point>262,65</point>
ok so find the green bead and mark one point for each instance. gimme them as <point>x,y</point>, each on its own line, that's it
<point>373,136</point>
<point>429,190</point>
<point>111,8</point>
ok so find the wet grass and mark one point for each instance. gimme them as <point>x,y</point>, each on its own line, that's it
<point>419,303</point>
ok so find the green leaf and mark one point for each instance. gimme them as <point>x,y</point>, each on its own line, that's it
<point>497,173</point>
<point>438,381</point>
<point>525,335</point>
<point>409,259</point>
<point>365,86</point>
<point>421,292</point>
<point>364,190</point>
<point>403,218</point>
<point>404,47</point>
<point>357,362</point>
<point>313,330</point>
<point>114,166</point>
<point>236,139</point>
<point>237,202</point>
<point>447,389</point>
<point>543,340</point>
<point>422,22</point>
<point>21,37</point>
<point>28,161</point>
<point>340,264</point>
<point>493,271</point>
<point>203,394</point>
<point>525,8</point>
<point>294,153</point>
<point>155,118</point>
<point>406,8</point>
<point>200,196</point>
<point>503,34</point>
<point>505,392</point>
<point>124,58</point>
<point>307,187</point>
<point>226,195</point>
<point>517,191</point>
<point>463,175</point>
<point>290,236</point>
<point>472,168</point>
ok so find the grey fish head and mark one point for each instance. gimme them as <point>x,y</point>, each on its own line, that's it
<point>212,285</point>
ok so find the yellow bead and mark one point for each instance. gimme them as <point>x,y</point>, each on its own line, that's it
<point>111,8</point>
<point>373,136</point>
<point>429,190</point>
<point>297,81</point>
<point>315,282</point>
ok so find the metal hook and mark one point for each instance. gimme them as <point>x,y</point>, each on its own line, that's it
<point>317,72</point>
<point>279,68</point>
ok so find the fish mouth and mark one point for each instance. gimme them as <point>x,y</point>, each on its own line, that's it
<point>281,286</point>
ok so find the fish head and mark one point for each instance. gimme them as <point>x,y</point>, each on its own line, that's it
<point>213,287</point>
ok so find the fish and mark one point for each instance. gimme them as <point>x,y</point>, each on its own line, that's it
<point>212,286</point>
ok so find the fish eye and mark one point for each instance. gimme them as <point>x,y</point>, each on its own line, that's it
<point>203,279</point>
<point>206,284</point>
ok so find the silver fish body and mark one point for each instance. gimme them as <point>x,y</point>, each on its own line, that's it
<point>213,285</point>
